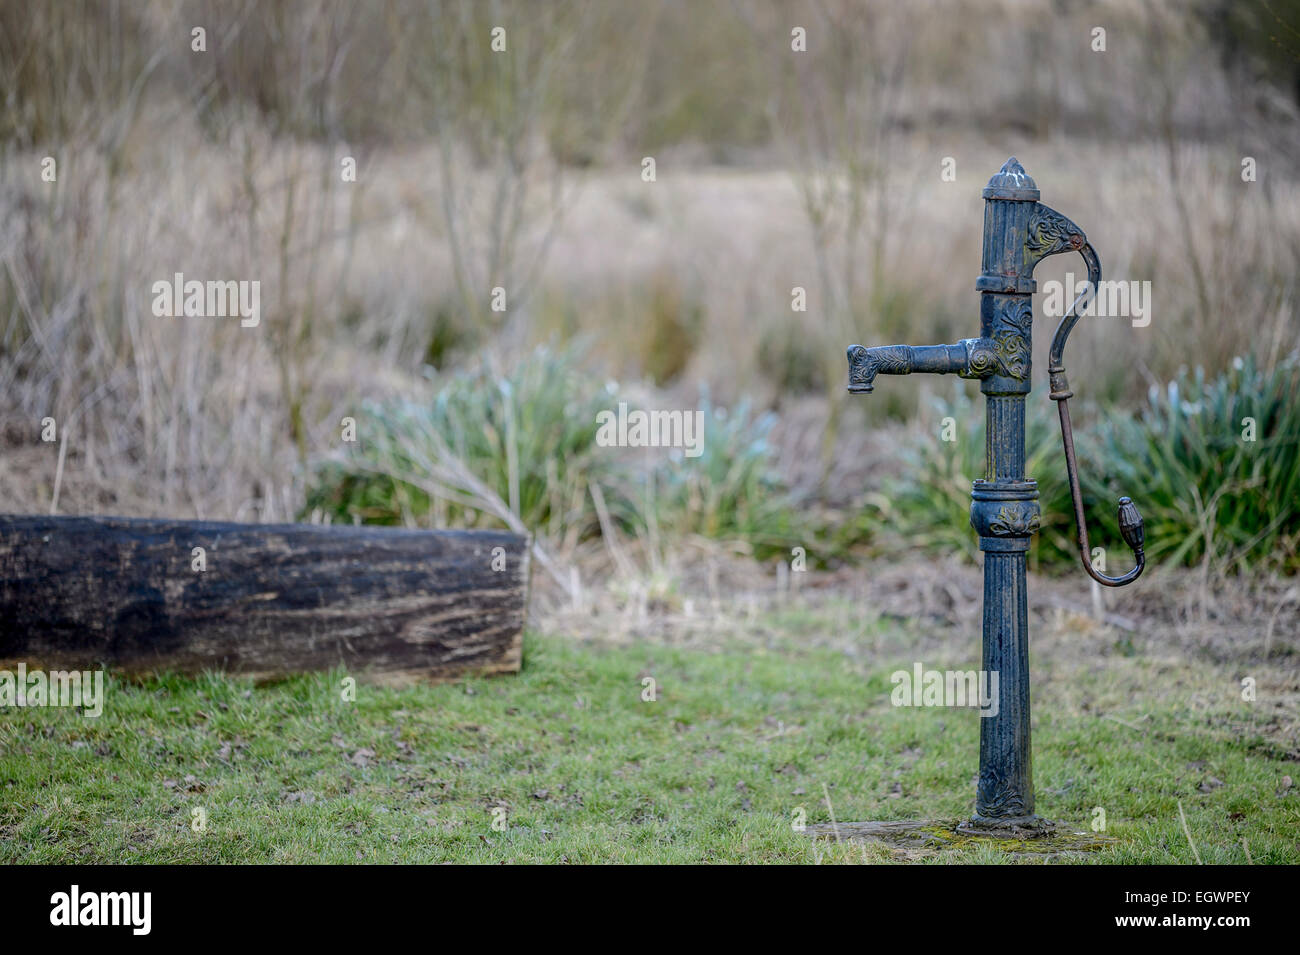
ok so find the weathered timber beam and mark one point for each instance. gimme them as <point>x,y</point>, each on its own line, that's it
<point>269,599</point>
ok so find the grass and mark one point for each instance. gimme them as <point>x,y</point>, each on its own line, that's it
<point>741,738</point>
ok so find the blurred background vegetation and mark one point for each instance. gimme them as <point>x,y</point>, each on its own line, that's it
<point>775,169</point>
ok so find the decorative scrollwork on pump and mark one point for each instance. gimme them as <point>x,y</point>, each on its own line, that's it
<point>1002,800</point>
<point>866,363</point>
<point>1010,333</point>
<point>1007,355</point>
<point>1013,354</point>
<point>893,361</point>
<point>1016,314</point>
<point>1050,232</point>
<point>1014,520</point>
<point>981,358</point>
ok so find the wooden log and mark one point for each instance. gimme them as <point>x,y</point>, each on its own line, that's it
<point>270,599</point>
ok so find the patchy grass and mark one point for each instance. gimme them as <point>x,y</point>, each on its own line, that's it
<point>741,738</point>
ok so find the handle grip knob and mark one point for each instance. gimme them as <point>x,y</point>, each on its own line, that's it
<point>1130,525</point>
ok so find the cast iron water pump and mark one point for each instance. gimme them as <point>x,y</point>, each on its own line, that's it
<point>1019,232</point>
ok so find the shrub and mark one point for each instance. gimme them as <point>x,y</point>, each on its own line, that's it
<point>731,490</point>
<point>525,442</point>
<point>1205,492</point>
<point>528,437</point>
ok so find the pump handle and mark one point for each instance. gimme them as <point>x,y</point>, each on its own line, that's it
<point>1130,520</point>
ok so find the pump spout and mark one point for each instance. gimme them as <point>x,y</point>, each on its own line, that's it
<point>968,358</point>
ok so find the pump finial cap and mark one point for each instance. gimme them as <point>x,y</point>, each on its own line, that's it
<point>1012,182</point>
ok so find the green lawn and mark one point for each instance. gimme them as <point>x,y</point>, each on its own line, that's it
<point>741,738</point>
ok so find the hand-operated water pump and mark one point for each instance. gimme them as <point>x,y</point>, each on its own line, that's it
<point>1019,232</point>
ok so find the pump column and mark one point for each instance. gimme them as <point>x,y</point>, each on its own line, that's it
<point>1004,506</point>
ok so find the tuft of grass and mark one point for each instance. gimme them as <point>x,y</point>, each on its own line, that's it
<point>529,436</point>
<point>731,491</point>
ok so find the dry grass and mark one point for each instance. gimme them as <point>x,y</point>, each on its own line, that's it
<point>703,592</point>
<point>229,168</point>
<point>203,406</point>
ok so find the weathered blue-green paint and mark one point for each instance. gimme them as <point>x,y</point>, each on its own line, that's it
<point>1019,232</point>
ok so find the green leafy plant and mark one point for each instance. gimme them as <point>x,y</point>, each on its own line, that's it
<point>525,439</point>
<point>519,448</point>
<point>1214,465</point>
<point>731,490</point>
<point>1208,489</point>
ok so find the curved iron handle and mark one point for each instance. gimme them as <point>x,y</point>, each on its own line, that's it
<point>1130,520</point>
